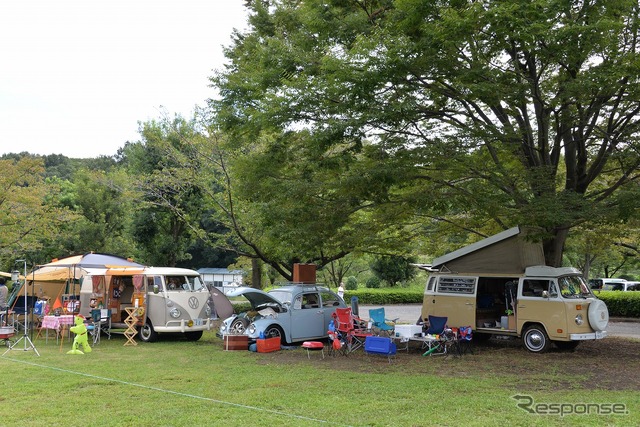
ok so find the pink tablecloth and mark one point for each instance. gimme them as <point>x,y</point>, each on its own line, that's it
<point>54,322</point>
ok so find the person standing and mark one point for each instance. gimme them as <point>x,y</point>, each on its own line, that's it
<point>341,290</point>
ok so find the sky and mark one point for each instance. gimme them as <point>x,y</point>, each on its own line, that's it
<point>77,77</point>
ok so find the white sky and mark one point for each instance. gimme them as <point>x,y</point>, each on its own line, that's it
<point>76,76</point>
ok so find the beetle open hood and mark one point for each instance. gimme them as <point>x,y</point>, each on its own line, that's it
<point>255,296</point>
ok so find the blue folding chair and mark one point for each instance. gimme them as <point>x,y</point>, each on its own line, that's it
<point>436,325</point>
<point>379,323</point>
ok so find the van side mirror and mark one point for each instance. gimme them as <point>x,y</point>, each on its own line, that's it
<point>155,289</point>
<point>545,294</point>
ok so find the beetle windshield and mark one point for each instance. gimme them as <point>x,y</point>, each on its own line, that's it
<point>573,287</point>
<point>281,295</point>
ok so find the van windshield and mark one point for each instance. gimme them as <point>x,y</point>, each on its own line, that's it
<point>573,287</point>
<point>184,283</point>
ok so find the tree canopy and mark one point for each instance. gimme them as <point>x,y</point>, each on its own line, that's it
<point>480,115</point>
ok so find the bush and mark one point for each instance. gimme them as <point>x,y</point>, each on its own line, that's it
<point>385,296</point>
<point>352,283</point>
<point>621,304</point>
<point>373,283</point>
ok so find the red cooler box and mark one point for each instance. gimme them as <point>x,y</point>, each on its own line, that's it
<point>268,345</point>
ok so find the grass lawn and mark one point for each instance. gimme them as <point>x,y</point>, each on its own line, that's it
<point>178,383</point>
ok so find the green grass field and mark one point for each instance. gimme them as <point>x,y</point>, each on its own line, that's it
<point>179,383</point>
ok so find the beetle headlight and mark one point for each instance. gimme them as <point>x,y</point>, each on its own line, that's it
<point>223,327</point>
<point>251,329</point>
<point>579,320</point>
<point>175,313</point>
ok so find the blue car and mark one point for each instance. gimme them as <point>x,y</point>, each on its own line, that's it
<point>294,313</point>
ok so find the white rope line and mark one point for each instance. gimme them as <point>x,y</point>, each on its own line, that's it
<point>193,396</point>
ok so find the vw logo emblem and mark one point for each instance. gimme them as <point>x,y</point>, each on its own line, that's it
<point>193,302</point>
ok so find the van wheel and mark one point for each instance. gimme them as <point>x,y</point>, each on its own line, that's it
<point>567,345</point>
<point>193,335</point>
<point>147,333</point>
<point>535,339</point>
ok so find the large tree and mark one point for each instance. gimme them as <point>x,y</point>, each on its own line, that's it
<point>497,113</point>
<point>30,212</point>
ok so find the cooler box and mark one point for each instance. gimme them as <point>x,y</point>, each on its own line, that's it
<point>268,345</point>
<point>236,342</point>
<point>407,331</point>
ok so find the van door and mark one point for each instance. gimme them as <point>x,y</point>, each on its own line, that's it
<point>539,302</point>
<point>455,298</point>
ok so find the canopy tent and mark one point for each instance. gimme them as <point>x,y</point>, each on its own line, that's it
<point>5,274</point>
<point>61,276</point>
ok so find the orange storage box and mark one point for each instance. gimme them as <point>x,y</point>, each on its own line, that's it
<point>268,345</point>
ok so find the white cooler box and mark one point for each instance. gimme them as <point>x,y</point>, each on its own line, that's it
<point>407,331</point>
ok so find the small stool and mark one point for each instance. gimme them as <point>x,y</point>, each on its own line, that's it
<point>313,346</point>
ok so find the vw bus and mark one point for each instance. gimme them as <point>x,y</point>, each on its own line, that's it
<point>490,287</point>
<point>167,299</point>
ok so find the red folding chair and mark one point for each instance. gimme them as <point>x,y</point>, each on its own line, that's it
<point>353,329</point>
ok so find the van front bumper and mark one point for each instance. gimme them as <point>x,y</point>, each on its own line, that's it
<point>183,326</point>
<point>592,336</point>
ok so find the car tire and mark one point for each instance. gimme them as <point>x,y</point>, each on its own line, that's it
<point>598,315</point>
<point>535,339</point>
<point>147,333</point>
<point>193,335</point>
<point>274,331</point>
<point>238,326</point>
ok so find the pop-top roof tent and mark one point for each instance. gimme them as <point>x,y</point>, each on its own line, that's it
<point>508,252</point>
<point>60,276</point>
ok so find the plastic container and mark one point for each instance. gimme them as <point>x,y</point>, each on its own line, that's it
<point>504,322</point>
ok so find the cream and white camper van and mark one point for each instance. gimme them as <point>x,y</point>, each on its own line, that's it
<point>493,287</point>
<point>170,300</point>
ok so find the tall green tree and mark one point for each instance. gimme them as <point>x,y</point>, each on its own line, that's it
<point>488,114</point>
<point>29,209</point>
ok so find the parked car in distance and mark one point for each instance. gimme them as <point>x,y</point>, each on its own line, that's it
<point>294,313</point>
<point>609,284</point>
<point>633,286</point>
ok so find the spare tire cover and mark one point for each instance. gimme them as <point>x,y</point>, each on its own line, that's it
<point>598,315</point>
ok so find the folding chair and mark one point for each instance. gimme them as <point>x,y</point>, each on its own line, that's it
<point>380,324</point>
<point>465,335</point>
<point>437,327</point>
<point>101,324</point>
<point>337,343</point>
<point>351,327</point>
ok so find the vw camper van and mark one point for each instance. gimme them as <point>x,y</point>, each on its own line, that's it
<point>500,286</point>
<point>169,300</point>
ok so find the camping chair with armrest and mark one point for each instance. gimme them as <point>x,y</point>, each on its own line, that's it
<point>465,335</point>
<point>101,324</point>
<point>380,324</point>
<point>337,341</point>
<point>437,328</point>
<point>351,328</point>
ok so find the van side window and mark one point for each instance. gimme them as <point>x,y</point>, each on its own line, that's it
<point>534,287</point>
<point>431,284</point>
<point>457,285</point>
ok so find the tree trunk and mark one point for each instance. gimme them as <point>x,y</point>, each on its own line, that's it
<point>256,273</point>
<point>554,246</point>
